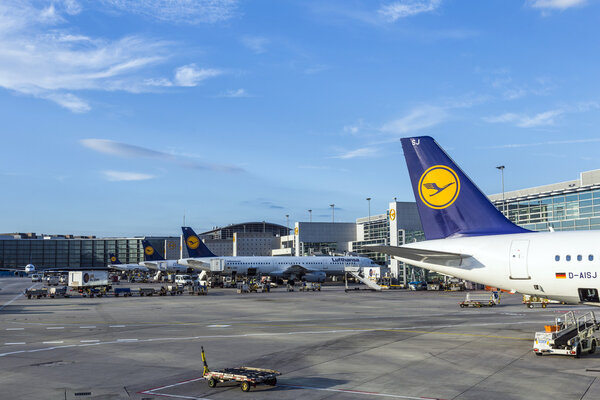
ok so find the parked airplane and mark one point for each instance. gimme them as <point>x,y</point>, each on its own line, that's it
<point>310,269</point>
<point>28,269</point>
<point>118,265</point>
<point>154,261</point>
<point>467,237</point>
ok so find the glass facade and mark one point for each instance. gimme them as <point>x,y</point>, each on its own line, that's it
<point>249,227</point>
<point>562,211</point>
<point>68,253</point>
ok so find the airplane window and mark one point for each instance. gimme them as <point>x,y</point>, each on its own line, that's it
<point>568,258</point>
<point>579,258</point>
<point>591,257</point>
<point>557,258</point>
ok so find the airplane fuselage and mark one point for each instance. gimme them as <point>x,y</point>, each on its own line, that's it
<point>164,266</point>
<point>557,265</point>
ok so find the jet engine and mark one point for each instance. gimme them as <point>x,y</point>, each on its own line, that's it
<point>315,277</point>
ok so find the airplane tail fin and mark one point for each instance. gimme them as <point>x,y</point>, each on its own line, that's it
<point>449,203</point>
<point>114,259</point>
<point>195,246</point>
<point>150,253</point>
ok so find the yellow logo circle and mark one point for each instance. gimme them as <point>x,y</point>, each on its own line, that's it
<point>392,214</point>
<point>149,250</point>
<point>296,231</point>
<point>439,187</point>
<point>193,242</point>
<point>172,245</point>
<point>113,259</point>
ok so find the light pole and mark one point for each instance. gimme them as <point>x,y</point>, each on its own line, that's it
<point>287,219</point>
<point>332,212</point>
<point>369,200</point>
<point>310,215</point>
<point>501,168</point>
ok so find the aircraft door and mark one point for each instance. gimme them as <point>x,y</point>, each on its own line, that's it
<point>518,259</point>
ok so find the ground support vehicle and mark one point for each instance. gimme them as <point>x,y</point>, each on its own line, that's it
<point>569,336</point>
<point>247,376</point>
<point>480,300</point>
<point>290,288</point>
<point>259,288</point>
<point>58,292</point>
<point>243,288</point>
<point>146,291</point>
<point>310,286</point>
<point>125,292</point>
<point>37,293</point>
<point>200,290</point>
<point>532,301</point>
<point>170,289</point>
<point>89,291</point>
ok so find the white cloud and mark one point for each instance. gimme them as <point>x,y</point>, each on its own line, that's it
<point>115,176</point>
<point>238,93</point>
<point>257,44</point>
<point>407,8</point>
<point>42,57</point>
<point>191,75</point>
<point>179,11</point>
<point>546,118</point>
<point>555,4</point>
<point>362,152</point>
<point>417,119</point>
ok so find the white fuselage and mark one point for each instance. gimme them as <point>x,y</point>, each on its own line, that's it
<point>128,267</point>
<point>280,264</point>
<point>164,266</point>
<point>529,263</point>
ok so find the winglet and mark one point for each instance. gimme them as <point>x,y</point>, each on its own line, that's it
<point>449,203</point>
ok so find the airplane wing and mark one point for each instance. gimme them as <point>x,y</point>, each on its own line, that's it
<point>198,264</point>
<point>420,255</point>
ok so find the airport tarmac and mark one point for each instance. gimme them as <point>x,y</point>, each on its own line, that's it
<point>328,344</point>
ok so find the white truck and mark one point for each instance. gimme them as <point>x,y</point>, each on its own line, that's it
<point>89,282</point>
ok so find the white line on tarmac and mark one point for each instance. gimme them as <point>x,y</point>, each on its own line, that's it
<point>116,326</point>
<point>90,341</point>
<point>11,343</point>
<point>127,340</point>
<point>153,391</point>
<point>55,327</point>
<point>218,326</point>
<point>15,329</point>
<point>16,297</point>
<point>88,327</point>
<point>54,342</point>
<point>358,392</point>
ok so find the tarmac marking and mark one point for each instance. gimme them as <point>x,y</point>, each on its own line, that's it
<point>16,297</point>
<point>55,327</point>
<point>11,343</point>
<point>88,327</point>
<point>218,326</point>
<point>127,340</point>
<point>54,342</point>
<point>90,341</point>
<point>15,329</point>
<point>152,391</point>
<point>360,392</point>
<point>116,326</point>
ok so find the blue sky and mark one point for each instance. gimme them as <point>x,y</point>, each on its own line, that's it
<point>119,115</point>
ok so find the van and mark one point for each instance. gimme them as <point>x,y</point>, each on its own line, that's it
<point>52,280</point>
<point>183,280</point>
<point>36,278</point>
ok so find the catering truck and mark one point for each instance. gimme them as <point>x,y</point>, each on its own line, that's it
<point>89,283</point>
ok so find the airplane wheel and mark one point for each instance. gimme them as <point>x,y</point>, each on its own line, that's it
<point>245,386</point>
<point>212,383</point>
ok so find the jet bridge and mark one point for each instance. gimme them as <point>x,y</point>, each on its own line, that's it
<point>355,272</point>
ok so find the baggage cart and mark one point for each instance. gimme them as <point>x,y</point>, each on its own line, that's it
<point>146,291</point>
<point>569,335</point>
<point>37,293</point>
<point>247,376</point>
<point>480,300</point>
<point>125,292</point>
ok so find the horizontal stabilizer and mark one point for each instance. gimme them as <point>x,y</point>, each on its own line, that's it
<point>421,255</point>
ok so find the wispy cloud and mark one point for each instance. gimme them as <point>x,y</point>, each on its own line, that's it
<point>547,143</point>
<point>234,93</point>
<point>407,8</point>
<point>179,11</point>
<point>124,150</point>
<point>257,44</point>
<point>40,56</point>
<point>555,4</point>
<point>362,152</point>
<point>262,203</point>
<point>115,176</point>
<point>419,118</point>
<point>546,118</point>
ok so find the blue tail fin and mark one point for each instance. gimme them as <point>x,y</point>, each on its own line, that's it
<point>195,246</point>
<point>150,253</point>
<point>114,259</point>
<point>449,203</point>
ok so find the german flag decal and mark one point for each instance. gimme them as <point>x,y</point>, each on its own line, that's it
<point>561,275</point>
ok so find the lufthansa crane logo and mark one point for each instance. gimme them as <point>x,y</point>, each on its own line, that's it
<point>113,259</point>
<point>149,250</point>
<point>193,242</point>
<point>439,187</point>
<point>392,214</point>
<point>296,231</point>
